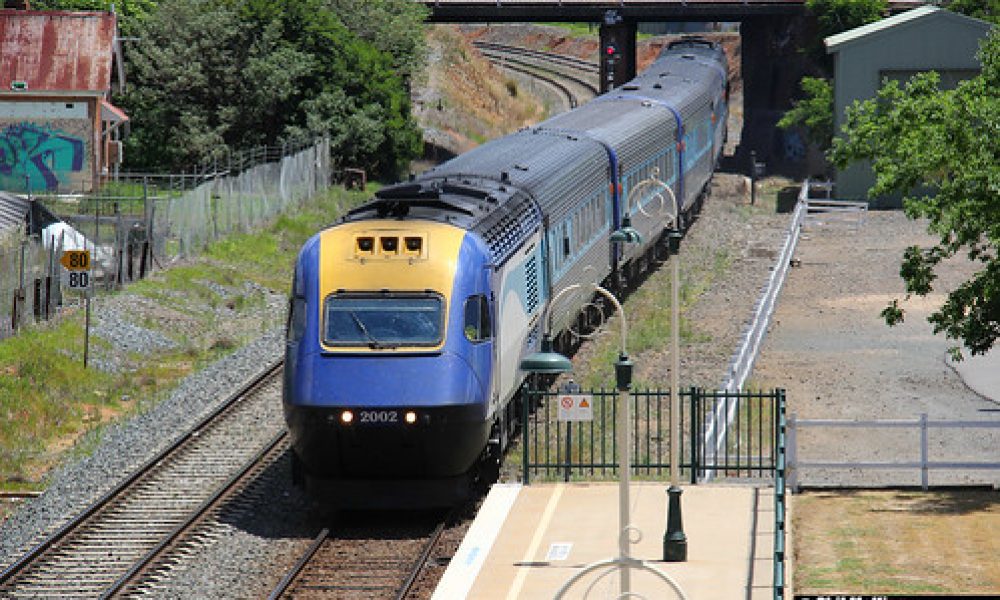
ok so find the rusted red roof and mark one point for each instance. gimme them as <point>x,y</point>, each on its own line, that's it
<point>56,51</point>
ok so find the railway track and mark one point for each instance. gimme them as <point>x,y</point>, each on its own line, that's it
<point>107,547</point>
<point>574,79</point>
<point>384,559</point>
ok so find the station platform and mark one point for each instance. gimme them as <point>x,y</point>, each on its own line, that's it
<point>527,541</point>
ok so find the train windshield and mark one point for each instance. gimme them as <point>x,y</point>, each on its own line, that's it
<point>383,320</point>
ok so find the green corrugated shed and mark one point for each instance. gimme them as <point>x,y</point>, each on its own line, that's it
<point>923,39</point>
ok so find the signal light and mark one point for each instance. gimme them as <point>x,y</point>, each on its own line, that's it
<point>610,49</point>
<point>347,417</point>
<point>410,417</point>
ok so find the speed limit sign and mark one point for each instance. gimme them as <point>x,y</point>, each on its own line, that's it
<point>76,274</point>
<point>78,280</point>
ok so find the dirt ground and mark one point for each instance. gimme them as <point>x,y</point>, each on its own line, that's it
<point>830,350</point>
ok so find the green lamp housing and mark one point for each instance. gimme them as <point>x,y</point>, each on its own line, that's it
<point>626,234</point>
<point>674,237</point>
<point>546,360</point>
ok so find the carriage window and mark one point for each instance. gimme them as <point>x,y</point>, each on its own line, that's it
<point>383,320</point>
<point>477,319</point>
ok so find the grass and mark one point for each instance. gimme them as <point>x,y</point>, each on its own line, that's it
<point>648,314</point>
<point>896,542</point>
<point>587,29</point>
<point>52,407</point>
<point>477,103</point>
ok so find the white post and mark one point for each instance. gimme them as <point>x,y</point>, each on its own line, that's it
<point>675,368</point>
<point>791,469</point>
<point>624,476</point>
<point>923,451</point>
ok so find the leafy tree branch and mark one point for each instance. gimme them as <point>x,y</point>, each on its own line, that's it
<point>940,149</point>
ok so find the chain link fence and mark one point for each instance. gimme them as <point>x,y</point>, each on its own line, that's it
<point>138,221</point>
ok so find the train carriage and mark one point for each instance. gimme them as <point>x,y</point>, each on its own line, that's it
<point>409,317</point>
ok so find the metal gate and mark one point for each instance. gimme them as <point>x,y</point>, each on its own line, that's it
<point>722,434</point>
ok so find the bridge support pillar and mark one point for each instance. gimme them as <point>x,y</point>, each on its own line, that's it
<point>617,50</point>
<point>772,65</point>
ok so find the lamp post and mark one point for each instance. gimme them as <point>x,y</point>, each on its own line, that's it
<point>548,361</point>
<point>674,540</point>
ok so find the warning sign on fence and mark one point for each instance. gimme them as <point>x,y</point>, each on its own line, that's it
<point>575,407</point>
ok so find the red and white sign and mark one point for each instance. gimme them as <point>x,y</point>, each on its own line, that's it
<point>576,407</point>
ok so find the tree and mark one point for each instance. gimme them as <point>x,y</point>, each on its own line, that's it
<point>940,149</point>
<point>207,76</point>
<point>393,26</point>
<point>835,16</point>
<point>987,10</point>
<point>130,12</point>
<point>814,112</point>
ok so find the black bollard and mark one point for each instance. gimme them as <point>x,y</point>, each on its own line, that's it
<point>674,540</point>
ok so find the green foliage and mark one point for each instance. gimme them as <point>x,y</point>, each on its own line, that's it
<point>814,112</point>
<point>209,76</point>
<point>392,26</point>
<point>835,16</point>
<point>987,10</point>
<point>941,150</point>
<point>130,12</point>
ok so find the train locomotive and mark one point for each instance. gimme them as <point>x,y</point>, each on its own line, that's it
<point>410,315</point>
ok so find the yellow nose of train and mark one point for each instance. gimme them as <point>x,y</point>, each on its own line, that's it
<point>390,256</point>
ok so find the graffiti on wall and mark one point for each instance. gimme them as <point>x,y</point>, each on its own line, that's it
<point>36,156</point>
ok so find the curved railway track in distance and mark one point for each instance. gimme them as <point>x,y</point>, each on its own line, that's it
<point>574,79</point>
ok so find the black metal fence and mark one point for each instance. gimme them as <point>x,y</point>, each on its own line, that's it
<point>723,434</point>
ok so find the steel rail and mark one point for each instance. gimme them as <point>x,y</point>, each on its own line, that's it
<point>304,560</point>
<point>526,67</point>
<point>570,61</point>
<point>418,566</point>
<point>286,585</point>
<point>571,98</point>
<point>118,491</point>
<point>141,566</point>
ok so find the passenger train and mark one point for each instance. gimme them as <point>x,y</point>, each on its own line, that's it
<point>409,317</point>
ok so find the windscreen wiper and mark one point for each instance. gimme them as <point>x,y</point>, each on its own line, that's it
<point>373,343</point>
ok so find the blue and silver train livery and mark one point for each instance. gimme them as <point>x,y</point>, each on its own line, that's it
<point>409,317</point>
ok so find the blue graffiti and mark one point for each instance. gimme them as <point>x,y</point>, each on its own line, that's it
<point>38,157</point>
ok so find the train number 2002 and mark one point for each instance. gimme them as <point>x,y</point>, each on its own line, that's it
<point>378,417</point>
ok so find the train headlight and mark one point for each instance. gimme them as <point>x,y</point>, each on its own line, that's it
<point>347,417</point>
<point>410,417</point>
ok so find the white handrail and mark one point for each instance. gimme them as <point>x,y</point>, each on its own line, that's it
<point>753,336</point>
<point>924,463</point>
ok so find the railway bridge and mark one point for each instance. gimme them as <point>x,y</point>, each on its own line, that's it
<point>772,35</point>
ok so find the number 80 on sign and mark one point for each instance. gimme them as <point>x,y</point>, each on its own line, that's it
<point>76,275</point>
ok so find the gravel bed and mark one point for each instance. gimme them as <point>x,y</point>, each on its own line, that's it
<point>124,446</point>
<point>256,539</point>
<point>725,261</point>
<point>829,348</point>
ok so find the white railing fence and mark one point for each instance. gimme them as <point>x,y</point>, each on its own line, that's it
<point>923,463</point>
